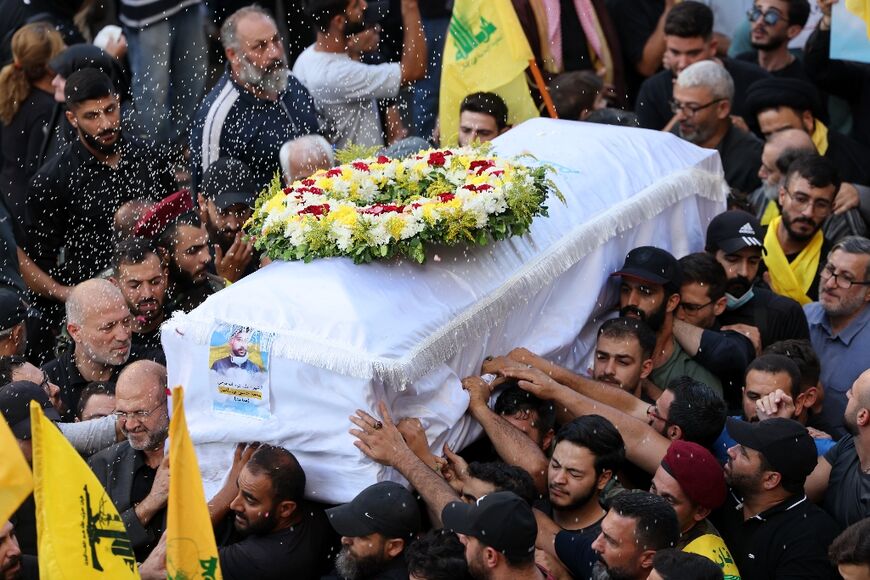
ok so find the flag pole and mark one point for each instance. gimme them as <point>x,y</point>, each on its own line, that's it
<point>542,88</point>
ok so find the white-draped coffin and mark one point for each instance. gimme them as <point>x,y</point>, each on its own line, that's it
<point>347,336</point>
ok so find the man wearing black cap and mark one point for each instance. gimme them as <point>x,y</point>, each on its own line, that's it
<point>499,533</point>
<point>13,311</point>
<point>734,238</point>
<point>773,530</point>
<point>375,527</point>
<point>777,104</point>
<point>226,201</point>
<point>650,290</point>
<point>73,197</point>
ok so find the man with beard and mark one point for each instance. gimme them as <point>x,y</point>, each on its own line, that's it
<point>795,244</point>
<point>638,525</point>
<point>650,290</point>
<point>498,533</point>
<point>226,201</point>
<point>185,245</point>
<point>99,322</point>
<point>73,197</point>
<point>238,357</point>
<point>734,239</point>
<point>376,527</point>
<point>689,39</point>
<point>256,106</point>
<point>345,90</point>
<point>840,323</point>
<point>841,480</point>
<point>771,527</point>
<point>773,24</point>
<point>142,277</point>
<point>703,94</point>
<point>851,205</point>
<point>14,565</point>
<point>275,531</point>
<point>135,472</point>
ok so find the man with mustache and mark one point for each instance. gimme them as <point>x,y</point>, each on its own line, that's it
<point>142,277</point>
<point>734,239</point>
<point>345,90</point>
<point>623,354</point>
<point>773,24</point>
<point>795,244</point>
<point>256,106</point>
<point>650,291</point>
<point>135,472</point>
<point>73,197</point>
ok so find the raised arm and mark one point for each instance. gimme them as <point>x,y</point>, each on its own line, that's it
<point>381,441</point>
<point>413,43</point>
<point>644,446</point>
<point>512,445</point>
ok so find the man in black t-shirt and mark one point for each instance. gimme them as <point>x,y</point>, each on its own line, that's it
<point>276,533</point>
<point>773,24</point>
<point>689,39</point>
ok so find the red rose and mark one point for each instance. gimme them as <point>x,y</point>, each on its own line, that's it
<point>359,166</point>
<point>307,182</point>
<point>481,165</point>
<point>383,159</point>
<point>436,159</point>
<point>316,210</point>
<point>445,197</point>
<point>333,173</point>
<point>288,190</point>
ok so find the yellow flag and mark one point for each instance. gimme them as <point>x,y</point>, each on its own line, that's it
<point>16,482</point>
<point>191,552</point>
<point>79,532</point>
<point>486,50</point>
<point>861,9</point>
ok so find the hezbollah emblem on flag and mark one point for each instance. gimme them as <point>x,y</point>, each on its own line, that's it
<point>103,531</point>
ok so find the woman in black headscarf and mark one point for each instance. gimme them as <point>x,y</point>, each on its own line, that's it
<point>74,58</point>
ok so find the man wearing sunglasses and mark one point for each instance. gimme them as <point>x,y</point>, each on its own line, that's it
<point>840,323</point>
<point>773,23</point>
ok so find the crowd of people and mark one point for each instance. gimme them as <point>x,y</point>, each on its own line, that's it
<point>722,429</point>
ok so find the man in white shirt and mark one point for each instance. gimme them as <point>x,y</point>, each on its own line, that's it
<point>346,91</point>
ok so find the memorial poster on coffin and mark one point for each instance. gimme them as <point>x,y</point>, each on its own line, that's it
<point>239,370</point>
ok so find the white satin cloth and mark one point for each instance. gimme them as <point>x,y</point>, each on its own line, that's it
<point>348,336</point>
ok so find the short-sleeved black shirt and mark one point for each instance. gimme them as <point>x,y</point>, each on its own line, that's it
<point>635,21</point>
<point>790,540</point>
<point>847,498</point>
<point>794,70</point>
<point>776,317</point>
<point>302,551</point>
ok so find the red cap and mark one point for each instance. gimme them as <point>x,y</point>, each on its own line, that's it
<point>697,472</point>
<point>164,213</point>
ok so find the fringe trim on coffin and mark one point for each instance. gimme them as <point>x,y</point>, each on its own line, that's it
<point>531,278</point>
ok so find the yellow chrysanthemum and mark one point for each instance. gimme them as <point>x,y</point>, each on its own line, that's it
<point>345,215</point>
<point>395,225</point>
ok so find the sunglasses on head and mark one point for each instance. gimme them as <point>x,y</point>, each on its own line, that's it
<point>770,18</point>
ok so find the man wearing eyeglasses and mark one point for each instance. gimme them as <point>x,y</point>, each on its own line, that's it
<point>840,323</point>
<point>773,23</point>
<point>703,94</point>
<point>794,241</point>
<point>135,472</point>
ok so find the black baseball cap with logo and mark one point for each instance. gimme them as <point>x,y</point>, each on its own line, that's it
<point>228,182</point>
<point>733,230</point>
<point>385,507</point>
<point>13,310</point>
<point>500,520</point>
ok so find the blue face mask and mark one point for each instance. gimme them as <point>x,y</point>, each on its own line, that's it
<point>735,303</point>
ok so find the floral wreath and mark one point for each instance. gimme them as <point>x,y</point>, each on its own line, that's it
<point>380,208</point>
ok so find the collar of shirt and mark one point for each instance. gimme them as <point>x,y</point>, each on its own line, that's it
<point>782,507</point>
<point>816,316</point>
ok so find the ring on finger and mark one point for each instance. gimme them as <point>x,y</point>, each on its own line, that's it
<point>378,425</point>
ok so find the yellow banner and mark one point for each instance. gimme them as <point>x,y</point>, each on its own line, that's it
<point>486,50</point>
<point>16,481</point>
<point>191,552</point>
<point>80,534</point>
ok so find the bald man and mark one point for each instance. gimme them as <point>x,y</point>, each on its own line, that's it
<point>851,206</point>
<point>303,156</point>
<point>135,471</point>
<point>99,322</point>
